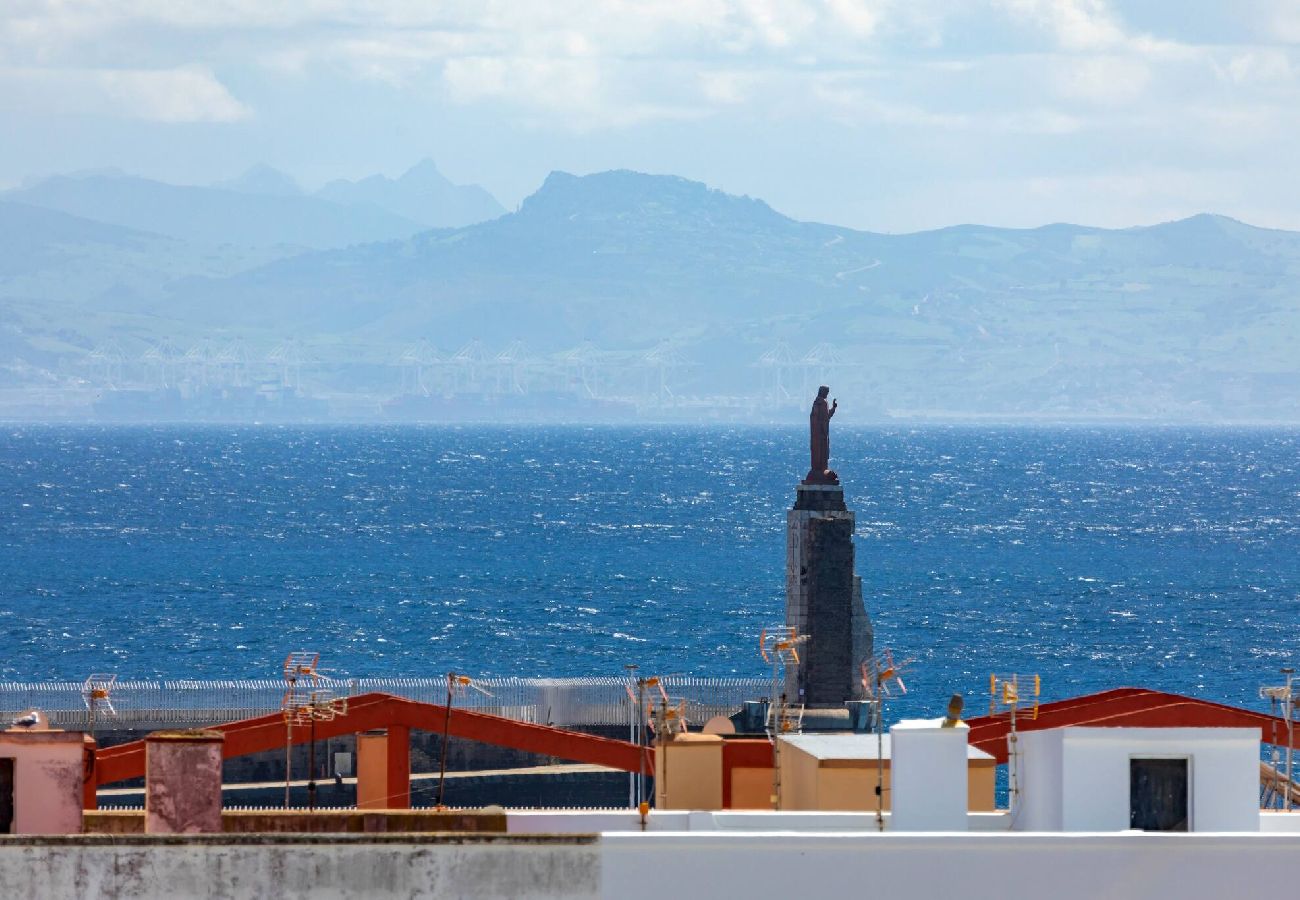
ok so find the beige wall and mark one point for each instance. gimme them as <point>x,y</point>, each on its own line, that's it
<point>981,782</point>
<point>688,773</point>
<point>751,788</point>
<point>372,771</point>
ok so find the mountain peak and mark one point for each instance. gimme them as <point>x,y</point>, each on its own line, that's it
<point>422,194</point>
<point>423,174</point>
<point>263,179</point>
<point>622,191</point>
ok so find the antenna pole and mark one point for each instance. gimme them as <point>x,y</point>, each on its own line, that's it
<point>1289,707</point>
<point>632,736</point>
<point>641,730</point>
<point>311,768</point>
<point>288,758</point>
<point>446,732</point>
<point>880,758</point>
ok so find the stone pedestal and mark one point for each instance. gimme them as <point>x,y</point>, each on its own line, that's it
<point>823,599</point>
<point>182,782</point>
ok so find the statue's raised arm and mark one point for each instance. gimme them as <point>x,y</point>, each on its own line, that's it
<point>819,439</point>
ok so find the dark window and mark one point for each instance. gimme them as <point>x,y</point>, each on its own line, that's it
<point>1157,794</point>
<point>6,795</point>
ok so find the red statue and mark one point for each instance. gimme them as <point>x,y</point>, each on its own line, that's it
<point>819,423</point>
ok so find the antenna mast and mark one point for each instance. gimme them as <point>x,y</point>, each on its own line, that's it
<point>1007,693</point>
<point>1284,695</point>
<point>779,646</point>
<point>877,674</point>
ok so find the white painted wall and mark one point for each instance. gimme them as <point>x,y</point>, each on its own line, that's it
<point>911,866</point>
<point>1279,822</point>
<point>1077,779</point>
<point>928,775</point>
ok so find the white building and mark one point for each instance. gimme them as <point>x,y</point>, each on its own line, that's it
<point>1153,779</point>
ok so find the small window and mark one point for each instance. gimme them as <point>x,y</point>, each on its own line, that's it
<point>1158,794</point>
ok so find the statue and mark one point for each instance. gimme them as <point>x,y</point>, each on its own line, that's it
<point>819,424</point>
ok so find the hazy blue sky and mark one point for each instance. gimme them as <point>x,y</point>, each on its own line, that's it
<point>881,114</point>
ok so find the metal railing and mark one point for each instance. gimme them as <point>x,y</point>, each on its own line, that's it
<point>564,702</point>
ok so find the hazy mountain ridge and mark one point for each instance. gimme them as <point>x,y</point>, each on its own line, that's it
<point>422,194</point>
<point>213,215</point>
<point>1186,318</point>
<point>266,207</point>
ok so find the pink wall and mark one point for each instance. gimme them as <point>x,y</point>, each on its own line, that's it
<point>48,776</point>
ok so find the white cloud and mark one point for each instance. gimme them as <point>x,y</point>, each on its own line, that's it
<point>1259,66</point>
<point>1103,79</point>
<point>1075,24</point>
<point>186,94</point>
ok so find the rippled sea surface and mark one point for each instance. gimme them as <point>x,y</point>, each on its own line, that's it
<point>1166,558</point>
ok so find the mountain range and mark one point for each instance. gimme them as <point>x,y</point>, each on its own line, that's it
<point>714,295</point>
<point>266,207</point>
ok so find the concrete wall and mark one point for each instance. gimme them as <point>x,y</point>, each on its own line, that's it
<point>337,867</point>
<point>1077,779</point>
<point>329,821</point>
<point>630,866</point>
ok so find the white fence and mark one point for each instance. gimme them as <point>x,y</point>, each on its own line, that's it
<point>565,702</point>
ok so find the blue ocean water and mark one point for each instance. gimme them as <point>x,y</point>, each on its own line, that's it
<point>1098,557</point>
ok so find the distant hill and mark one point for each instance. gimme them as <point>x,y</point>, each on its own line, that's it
<point>722,296</point>
<point>262,179</point>
<point>422,195</point>
<point>37,239</point>
<point>214,216</point>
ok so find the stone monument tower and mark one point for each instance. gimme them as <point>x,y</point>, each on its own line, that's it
<point>823,594</point>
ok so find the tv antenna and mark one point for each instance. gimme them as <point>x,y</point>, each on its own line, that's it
<point>458,685</point>
<point>306,701</point>
<point>881,676</point>
<point>779,647</point>
<point>641,725</point>
<point>97,694</point>
<point>1007,695</point>
<point>1283,696</point>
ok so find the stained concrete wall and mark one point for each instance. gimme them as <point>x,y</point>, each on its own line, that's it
<point>337,867</point>
<point>631,866</point>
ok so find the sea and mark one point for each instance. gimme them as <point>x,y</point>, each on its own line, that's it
<point>1094,557</point>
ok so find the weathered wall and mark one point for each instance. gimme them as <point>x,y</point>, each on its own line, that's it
<point>338,867</point>
<point>47,786</point>
<point>631,865</point>
<point>329,821</point>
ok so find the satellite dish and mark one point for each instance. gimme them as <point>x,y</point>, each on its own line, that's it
<point>719,725</point>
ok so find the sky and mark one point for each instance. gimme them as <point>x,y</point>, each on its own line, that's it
<point>888,115</point>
